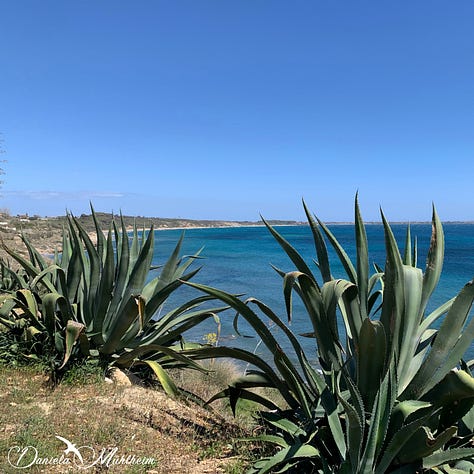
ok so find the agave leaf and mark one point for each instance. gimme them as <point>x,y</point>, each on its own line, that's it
<point>17,280</point>
<point>121,323</point>
<point>409,338</point>
<point>73,331</point>
<point>66,251</point>
<point>355,397</point>
<point>347,294</point>
<point>50,302</point>
<point>61,284</point>
<point>468,420</point>
<point>362,261</point>
<point>7,304</point>
<point>278,440</point>
<point>160,295</point>
<point>371,360</point>
<point>176,316</point>
<point>328,346</point>
<point>156,352</point>
<point>329,403</point>
<point>422,350</point>
<point>27,301</point>
<point>277,321</point>
<point>127,312</point>
<point>448,347</point>
<point>354,432</point>
<point>234,393</point>
<point>290,251</point>
<point>294,382</point>
<point>331,293</point>
<point>173,331</point>
<point>164,379</point>
<point>139,300</point>
<point>377,277</point>
<point>74,270</point>
<point>341,253</point>
<point>121,275</point>
<point>84,262</point>
<point>383,404</point>
<point>169,272</point>
<point>105,291</point>
<point>321,250</point>
<point>393,292</point>
<point>399,440</point>
<point>207,352</point>
<point>443,457</point>
<point>462,467</point>
<point>283,424</point>
<point>404,410</point>
<point>95,261</point>
<point>434,262</point>
<point>423,443</point>
<point>101,241</point>
<point>455,386</point>
<point>29,268</point>
<point>139,271</point>
<point>295,452</point>
<point>415,252</point>
<point>253,379</point>
<point>373,299</point>
<point>434,316</point>
<point>135,245</point>
<point>407,257</point>
<point>290,279</point>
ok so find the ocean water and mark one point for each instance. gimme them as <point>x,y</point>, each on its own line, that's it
<point>238,260</point>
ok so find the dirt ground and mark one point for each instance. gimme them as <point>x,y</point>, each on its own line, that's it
<point>179,437</point>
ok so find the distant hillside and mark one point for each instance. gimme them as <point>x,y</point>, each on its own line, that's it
<point>46,232</point>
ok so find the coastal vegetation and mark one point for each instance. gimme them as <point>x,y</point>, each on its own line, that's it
<point>102,301</point>
<point>385,388</point>
<point>390,392</point>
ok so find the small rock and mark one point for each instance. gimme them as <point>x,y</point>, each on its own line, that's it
<point>120,378</point>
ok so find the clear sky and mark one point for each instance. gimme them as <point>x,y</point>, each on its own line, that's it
<point>227,109</point>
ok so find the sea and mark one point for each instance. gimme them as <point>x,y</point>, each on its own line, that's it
<point>239,260</point>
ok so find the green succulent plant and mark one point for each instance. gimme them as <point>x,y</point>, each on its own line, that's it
<point>100,299</point>
<point>391,392</point>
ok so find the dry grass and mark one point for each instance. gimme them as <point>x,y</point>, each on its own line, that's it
<point>142,422</point>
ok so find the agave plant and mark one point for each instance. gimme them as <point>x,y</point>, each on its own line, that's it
<point>391,392</point>
<point>106,289</point>
<point>38,330</point>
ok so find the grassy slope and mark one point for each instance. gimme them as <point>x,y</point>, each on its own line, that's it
<point>180,436</point>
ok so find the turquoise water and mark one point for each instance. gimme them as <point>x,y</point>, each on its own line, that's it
<point>238,260</point>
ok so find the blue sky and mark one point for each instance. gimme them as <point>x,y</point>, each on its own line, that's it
<point>227,109</point>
